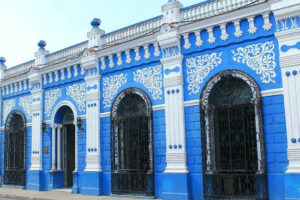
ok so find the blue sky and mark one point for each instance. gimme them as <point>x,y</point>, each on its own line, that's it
<point>62,23</point>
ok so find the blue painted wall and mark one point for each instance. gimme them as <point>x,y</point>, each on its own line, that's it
<point>275,144</point>
<point>193,149</point>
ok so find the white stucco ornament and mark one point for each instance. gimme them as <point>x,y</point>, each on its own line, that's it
<point>26,102</point>
<point>151,78</point>
<point>77,92</point>
<point>198,68</point>
<point>7,108</point>
<point>111,86</point>
<point>51,97</point>
<point>259,57</point>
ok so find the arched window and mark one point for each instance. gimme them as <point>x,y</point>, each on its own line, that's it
<point>232,138</point>
<point>131,144</point>
<point>14,157</point>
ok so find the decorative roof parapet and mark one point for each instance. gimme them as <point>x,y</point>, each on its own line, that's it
<point>197,12</point>
<point>212,8</point>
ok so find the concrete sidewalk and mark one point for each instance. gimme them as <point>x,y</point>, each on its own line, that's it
<point>54,195</point>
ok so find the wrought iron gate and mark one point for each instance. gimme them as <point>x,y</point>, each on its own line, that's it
<point>233,162</point>
<point>131,146</point>
<point>14,157</point>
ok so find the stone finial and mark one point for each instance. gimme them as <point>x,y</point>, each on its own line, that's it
<point>42,44</point>
<point>2,61</point>
<point>40,55</point>
<point>2,67</point>
<point>96,22</point>
<point>94,35</point>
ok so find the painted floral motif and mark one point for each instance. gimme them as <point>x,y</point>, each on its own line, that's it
<point>7,108</point>
<point>151,78</point>
<point>78,92</point>
<point>51,97</point>
<point>111,86</point>
<point>25,103</point>
<point>199,67</point>
<point>259,57</point>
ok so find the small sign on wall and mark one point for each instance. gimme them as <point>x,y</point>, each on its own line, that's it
<point>46,150</point>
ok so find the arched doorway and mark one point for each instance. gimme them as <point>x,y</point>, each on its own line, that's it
<point>131,144</point>
<point>68,147</point>
<point>14,156</point>
<point>232,138</point>
<point>64,144</point>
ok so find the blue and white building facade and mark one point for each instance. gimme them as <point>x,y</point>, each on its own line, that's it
<point>201,102</point>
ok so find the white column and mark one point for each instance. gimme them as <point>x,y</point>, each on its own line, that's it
<point>76,144</point>
<point>59,126</point>
<point>53,127</point>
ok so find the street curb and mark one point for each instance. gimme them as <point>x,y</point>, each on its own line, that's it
<point>22,197</point>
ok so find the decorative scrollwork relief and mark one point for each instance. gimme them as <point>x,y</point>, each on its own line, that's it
<point>7,107</point>
<point>26,102</point>
<point>151,78</point>
<point>259,57</point>
<point>199,67</point>
<point>111,86</point>
<point>78,92</point>
<point>51,97</point>
<point>170,51</point>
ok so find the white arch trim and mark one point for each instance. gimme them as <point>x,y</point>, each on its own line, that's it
<point>54,126</point>
<point>61,104</point>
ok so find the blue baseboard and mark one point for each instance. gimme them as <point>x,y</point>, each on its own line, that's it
<point>75,188</point>
<point>91,183</point>
<point>33,180</point>
<point>292,186</point>
<point>175,187</point>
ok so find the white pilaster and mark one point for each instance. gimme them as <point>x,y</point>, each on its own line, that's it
<point>93,157</point>
<point>36,108</point>
<point>289,38</point>
<point>173,84</point>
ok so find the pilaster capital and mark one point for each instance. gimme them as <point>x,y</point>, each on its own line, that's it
<point>53,125</point>
<point>169,37</point>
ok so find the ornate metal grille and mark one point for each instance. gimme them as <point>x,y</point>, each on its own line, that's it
<point>14,157</point>
<point>232,138</point>
<point>131,145</point>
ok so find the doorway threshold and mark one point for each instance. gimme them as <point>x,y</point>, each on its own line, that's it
<point>132,196</point>
<point>66,190</point>
<point>14,187</point>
